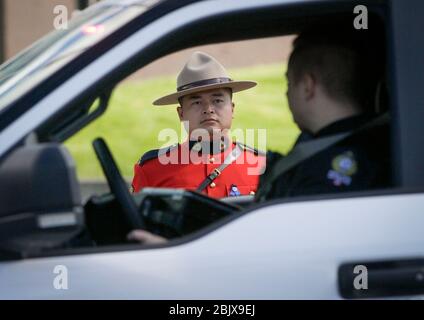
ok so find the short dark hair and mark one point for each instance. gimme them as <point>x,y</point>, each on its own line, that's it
<point>180,99</point>
<point>336,61</point>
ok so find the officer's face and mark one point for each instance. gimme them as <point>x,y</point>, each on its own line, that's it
<point>210,110</point>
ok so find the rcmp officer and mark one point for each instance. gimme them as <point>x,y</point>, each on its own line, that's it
<point>343,146</point>
<point>209,161</point>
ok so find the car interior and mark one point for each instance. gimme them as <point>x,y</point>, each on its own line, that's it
<point>43,213</point>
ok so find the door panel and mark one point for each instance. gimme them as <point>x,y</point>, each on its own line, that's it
<point>284,251</point>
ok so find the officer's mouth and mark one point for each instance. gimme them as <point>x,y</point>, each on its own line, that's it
<point>210,120</point>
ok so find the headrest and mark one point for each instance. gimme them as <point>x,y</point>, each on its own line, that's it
<point>38,179</point>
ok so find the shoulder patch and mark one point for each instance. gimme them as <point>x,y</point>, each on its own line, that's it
<point>343,167</point>
<point>345,164</point>
<point>251,149</point>
<point>152,154</point>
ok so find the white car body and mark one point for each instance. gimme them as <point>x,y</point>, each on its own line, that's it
<point>285,251</point>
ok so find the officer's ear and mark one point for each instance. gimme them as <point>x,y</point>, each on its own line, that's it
<point>309,86</point>
<point>232,108</point>
<point>180,112</point>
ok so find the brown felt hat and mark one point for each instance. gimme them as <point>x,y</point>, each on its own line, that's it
<point>202,72</point>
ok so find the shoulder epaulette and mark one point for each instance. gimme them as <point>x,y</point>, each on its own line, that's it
<point>152,154</point>
<point>251,149</point>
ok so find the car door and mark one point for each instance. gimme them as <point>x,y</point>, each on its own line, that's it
<point>287,250</point>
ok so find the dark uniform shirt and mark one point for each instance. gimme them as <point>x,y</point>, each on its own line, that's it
<point>360,162</point>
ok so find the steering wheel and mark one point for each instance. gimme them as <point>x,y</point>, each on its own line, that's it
<point>117,184</point>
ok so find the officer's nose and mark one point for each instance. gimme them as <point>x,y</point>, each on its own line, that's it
<point>208,108</point>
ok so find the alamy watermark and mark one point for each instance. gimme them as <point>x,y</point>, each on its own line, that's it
<point>360,22</point>
<point>60,21</point>
<point>61,280</point>
<point>62,16</point>
<point>360,282</point>
<point>215,140</point>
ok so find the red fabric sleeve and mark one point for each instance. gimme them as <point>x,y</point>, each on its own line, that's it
<point>140,178</point>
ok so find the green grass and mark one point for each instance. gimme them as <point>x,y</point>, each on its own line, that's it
<point>131,124</point>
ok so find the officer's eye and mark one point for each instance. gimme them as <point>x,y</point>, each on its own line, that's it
<point>218,101</point>
<point>195,103</point>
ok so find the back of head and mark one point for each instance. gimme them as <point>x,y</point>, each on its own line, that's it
<point>340,59</point>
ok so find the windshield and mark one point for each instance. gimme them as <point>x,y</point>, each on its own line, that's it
<point>47,55</point>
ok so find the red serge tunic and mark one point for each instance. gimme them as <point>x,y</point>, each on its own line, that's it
<point>183,166</point>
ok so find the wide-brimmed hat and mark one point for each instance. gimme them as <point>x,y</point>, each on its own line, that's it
<point>202,72</point>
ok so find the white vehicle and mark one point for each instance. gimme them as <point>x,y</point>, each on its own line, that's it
<point>301,248</point>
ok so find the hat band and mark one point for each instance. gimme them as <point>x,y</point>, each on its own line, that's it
<point>203,83</point>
